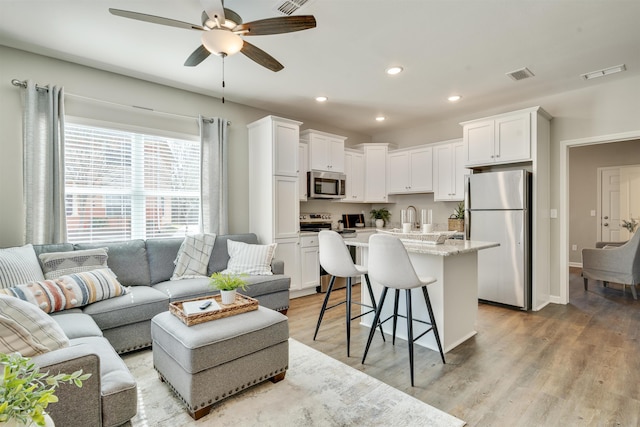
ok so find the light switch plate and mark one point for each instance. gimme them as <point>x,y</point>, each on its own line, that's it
<point>593,213</point>
<point>554,213</point>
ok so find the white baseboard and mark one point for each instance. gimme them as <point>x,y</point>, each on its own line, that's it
<point>575,264</point>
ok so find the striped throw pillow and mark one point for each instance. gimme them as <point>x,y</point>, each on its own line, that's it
<point>19,265</point>
<point>249,259</point>
<point>26,329</point>
<point>71,291</point>
<point>56,264</point>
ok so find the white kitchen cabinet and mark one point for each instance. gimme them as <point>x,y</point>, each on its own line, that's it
<point>410,171</point>
<point>273,188</point>
<point>309,262</point>
<point>375,172</point>
<point>354,169</point>
<point>326,151</point>
<point>499,139</point>
<point>449,171</point>
<point>303,167</point>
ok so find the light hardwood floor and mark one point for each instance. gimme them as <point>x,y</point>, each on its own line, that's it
<point>577,364</point>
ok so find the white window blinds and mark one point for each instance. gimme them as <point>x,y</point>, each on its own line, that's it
<point>124,185</point>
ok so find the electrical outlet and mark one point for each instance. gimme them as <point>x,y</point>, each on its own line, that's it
<point>574,247</point>
<point>554,213</point>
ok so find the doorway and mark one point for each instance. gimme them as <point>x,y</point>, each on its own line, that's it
<point>564,211</point>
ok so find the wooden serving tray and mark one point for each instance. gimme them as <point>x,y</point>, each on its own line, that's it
<point>242,304</point>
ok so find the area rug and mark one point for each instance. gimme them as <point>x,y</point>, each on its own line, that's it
<point>317,391</point>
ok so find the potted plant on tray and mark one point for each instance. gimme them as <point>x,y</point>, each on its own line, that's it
<point>227,285</point>
<point>381,216</point>
<point>456,220</point>
<point>25,392</point>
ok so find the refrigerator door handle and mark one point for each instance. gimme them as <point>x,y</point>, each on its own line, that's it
<point>467,214</point>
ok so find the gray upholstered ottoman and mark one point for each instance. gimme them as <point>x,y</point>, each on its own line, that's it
<point>210,361</point>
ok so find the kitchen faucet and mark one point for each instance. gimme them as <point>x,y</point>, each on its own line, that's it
<point>412,219</point>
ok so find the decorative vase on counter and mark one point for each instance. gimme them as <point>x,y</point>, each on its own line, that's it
<point>379,223</point>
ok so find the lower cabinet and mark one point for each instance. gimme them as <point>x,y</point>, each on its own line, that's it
<point>309,262</point>
<point>288,250</point>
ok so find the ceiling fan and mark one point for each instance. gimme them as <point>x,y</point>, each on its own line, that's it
<point>222,29</point>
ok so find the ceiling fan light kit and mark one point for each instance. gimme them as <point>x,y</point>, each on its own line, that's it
<point>221,41</point>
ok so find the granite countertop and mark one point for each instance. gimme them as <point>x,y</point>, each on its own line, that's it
<point>448,248</point>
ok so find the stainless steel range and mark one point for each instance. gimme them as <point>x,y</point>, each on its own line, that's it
<point>316,222</point>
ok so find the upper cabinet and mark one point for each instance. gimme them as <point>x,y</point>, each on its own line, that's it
<point>449,171</point>
<point>354,169</point>
<point>505,138</point>
<point>326,151</point>
<point>375,172</point>
<point>410,171</point>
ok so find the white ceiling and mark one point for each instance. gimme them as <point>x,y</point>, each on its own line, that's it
<point>445,46</point>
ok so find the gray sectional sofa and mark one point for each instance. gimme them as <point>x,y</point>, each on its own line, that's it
<point>101,330</point>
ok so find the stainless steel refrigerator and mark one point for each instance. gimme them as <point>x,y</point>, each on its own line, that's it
<point>498,210</point>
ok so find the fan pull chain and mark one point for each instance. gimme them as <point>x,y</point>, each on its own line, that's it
<point>223,85</point>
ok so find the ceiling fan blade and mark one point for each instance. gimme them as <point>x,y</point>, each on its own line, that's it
<point>261,57</point>
<point>155,19</point>
<point>214,10</point>
<point>198,55</point>
<point>283,24</point>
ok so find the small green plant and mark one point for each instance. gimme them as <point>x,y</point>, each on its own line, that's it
<point>382,214</point>
<point>25,392</point>
<point>629,225</point>
<point>228,282</point>
<point>458,213</point>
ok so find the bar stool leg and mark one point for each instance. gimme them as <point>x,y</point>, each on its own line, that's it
<point>410,332</point>
<point>395,315</point>
<point>376,319</point>
<point>427,300</point>
<point>324,305</point>
<point>348,319</point>
<point>373,301</point>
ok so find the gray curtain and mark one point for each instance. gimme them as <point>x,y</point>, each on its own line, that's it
<point>43,168</point>
<point>213,178</point>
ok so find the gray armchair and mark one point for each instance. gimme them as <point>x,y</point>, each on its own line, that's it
<point>619,264</point>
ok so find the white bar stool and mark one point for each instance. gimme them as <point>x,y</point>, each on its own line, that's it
<point>389,265</point>
<point>336,260</point>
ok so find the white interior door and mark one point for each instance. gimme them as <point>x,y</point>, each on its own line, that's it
<point>609,224</point>
<point>629,196</point>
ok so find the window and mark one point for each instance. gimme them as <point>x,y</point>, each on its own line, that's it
<point>126,185</point>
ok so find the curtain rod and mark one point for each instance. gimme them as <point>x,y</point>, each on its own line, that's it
<point>23,84</point>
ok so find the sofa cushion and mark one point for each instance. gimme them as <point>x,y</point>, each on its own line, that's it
<point>19,265</point>
<point>26,329</point>
<point>117,385</point>
<point>128,260</point>
<point>56,264</point>
<point>193,257</point>
<point>141,303</point>
<point>76,324</point>
<point>177,290</point>
<point>220,254</point>
<point>249,259</point>
<point>161,253</point>
<point>74,290</point>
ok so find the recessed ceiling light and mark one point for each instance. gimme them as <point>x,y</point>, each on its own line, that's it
<point>392,71</point>
<point>380,119</point>
<point>321,98</point>
<point>454,98</point>
<point>604,72</point>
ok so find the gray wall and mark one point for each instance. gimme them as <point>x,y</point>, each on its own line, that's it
<point>97,84</point>
<point>583,177</point>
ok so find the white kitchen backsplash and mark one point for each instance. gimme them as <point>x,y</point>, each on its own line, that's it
<point>441,210</point>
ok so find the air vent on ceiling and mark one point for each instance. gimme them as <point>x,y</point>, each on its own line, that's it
<point>289,7</point>
<point>521,74</point>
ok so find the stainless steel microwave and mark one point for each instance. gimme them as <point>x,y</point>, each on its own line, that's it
<point>326,185</point>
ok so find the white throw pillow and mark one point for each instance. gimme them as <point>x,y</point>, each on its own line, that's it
<point>19,265</point>
<point>56,264</point>
<point>193,256</point>
<point>249,259</point>
<point>26,329</point>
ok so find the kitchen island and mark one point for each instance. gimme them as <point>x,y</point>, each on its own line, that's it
<point>454,296</point>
